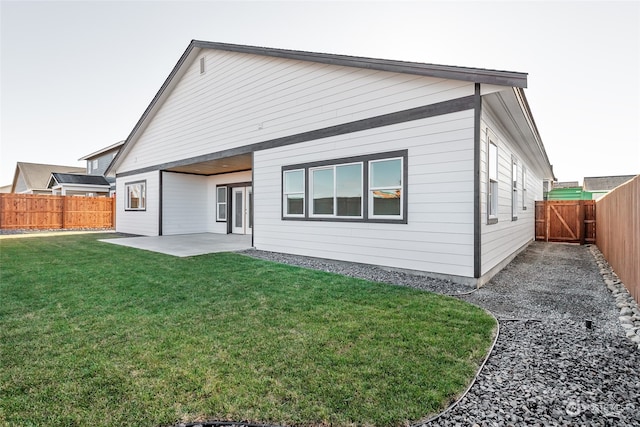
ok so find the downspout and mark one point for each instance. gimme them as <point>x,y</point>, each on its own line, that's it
<point>477,242</point>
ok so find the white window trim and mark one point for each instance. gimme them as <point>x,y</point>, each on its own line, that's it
<point>514,189</point>
<point>312,214</point>
<point>524,188</point>
<point>143,196</point>
<point>371,189</point>
<point>219,203</point>
<point>492,196</point>
<point>285,194</point>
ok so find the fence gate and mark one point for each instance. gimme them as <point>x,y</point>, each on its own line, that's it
<point>570,221</point>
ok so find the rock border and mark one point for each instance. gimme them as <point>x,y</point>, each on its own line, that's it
<point>629,315</point>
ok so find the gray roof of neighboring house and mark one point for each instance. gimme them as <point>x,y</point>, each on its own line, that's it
<point>101,151</point>
<point>566,184</point>
<point>36,175</point>
<point>82,179</point>
<point>605,183</point>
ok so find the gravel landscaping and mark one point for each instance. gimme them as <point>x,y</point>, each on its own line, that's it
<point>563,357</point>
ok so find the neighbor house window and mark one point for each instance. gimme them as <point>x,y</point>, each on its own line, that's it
<point>385,188</point>
<point>336,190</point>
<point>514,191</point>
<point>293,192</point>
<point>95,164</point>
<point>221,203</point>
<point>492,165</point>
<point>370,188</point>
<point>524,188</point>
<point>136,196</point>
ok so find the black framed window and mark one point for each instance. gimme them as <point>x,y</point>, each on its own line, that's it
<point>136,196</point>
<point>369,188</point>
<point>221,203</point>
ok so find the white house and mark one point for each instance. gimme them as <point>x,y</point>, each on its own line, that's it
<point>407,165</point>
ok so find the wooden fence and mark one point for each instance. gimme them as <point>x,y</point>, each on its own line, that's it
<point>35,211</point>
<point>618,233</point>
<point>570,221</point>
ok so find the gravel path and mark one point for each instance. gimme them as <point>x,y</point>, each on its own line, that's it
<point>547,367</point>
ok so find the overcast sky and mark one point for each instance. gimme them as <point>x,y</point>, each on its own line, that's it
<point>76,76</point>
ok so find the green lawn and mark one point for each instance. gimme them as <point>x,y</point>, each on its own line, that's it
<point>103,335</point>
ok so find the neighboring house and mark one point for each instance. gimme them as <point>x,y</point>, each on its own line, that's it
<point>5,189</point>
<point>406,165</point>
<point>570,190</point>
<point>598,186</point>
<point>98,162</point>
<point>69,184</point>
<point>33,178</point>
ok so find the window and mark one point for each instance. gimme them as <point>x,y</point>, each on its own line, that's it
<point>368,188</point>
<point>337,190</point>
<point>293,193</point>
<point>95,164</point>
<point>202,64</point>
<point>492,166</point>
<point>136,196</point>
<point>221,203</point>
<point>524,188</point>
<point>514,192</point>
<point>385,188</point>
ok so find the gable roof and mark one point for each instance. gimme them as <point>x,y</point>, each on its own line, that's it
<point>102,151</point>
<point>36,175</point>
<point>476,75</point>
<point>605,183</point>
<point>77,179</point>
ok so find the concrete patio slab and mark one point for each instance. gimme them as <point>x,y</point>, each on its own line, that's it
<point>185,245</point>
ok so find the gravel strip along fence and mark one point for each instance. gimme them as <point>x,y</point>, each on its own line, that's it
<point>547,368</point>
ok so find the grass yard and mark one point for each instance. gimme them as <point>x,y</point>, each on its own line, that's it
<point>103,335</point>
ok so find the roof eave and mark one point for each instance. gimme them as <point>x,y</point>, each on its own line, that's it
<point>476,75</point>
<point>101,151</point>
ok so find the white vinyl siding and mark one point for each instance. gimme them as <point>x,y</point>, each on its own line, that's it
<point>144,222</point>
<point>244,99</point>
<point>185,206</point>
<point>501,240</point>
<point>439,234</point>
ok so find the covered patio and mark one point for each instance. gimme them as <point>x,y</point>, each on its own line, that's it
<point>185,245</point>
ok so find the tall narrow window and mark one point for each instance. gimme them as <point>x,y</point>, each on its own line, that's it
<point>293,193</point>
<point>514,192</point>
<point>385,188</point>
<point>349,190</point>
<point>202,65</point>
<point>524,188</point>
<point>221,203</point>
<point>492,202</point>
<point>136,196</point>
<point>322,184</point>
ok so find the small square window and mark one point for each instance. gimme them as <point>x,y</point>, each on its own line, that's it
<point>136,196</point>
